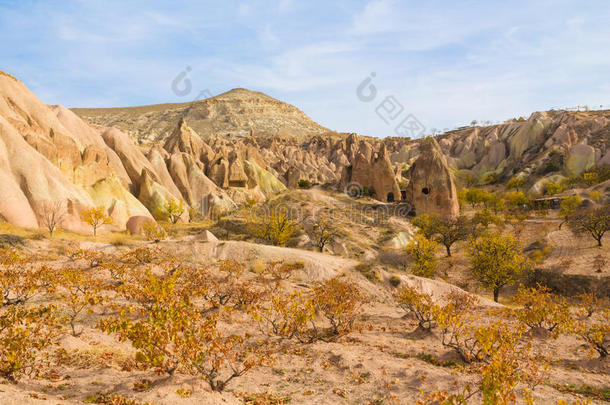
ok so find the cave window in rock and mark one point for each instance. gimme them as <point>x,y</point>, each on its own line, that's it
<point>425,190</point>
<point>390,197</point>
<point>403,194</point>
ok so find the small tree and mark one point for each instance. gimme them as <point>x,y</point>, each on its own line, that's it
<point>322,232</point>
<point>496,260</point>
<point>596,333</point>
<point>81,292</point>
<point>153,231</point>
<point>568,206</point>
<point>173,210</point>
<point>486,218</point>
<point>276,228</point>
<point>52,215</point>
<point>423,254</point>
<point>553,188</point>
<point>451,230</point>
<point>595,222</point>
<point>96,217</point>
<point>426,224</point>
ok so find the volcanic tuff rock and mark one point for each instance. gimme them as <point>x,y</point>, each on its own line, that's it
<point>431,188</point>
<point>242,146</point>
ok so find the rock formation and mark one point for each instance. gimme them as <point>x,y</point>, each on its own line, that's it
<point>431,189</point>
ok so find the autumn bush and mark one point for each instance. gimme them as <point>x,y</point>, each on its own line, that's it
<point>325,312</point>
<point>26,330</point>
<point>455,321</point>
<point>496,352</point>
<point>167,318</point>
<point>595,332</point>
<point>419,304</point>
<point>80,291</point>
<point>340,302</point>
<point>542,310</point>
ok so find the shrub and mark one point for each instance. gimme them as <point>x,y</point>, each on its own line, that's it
<point>419,304</point>
<point>172,210</point>
<point>426,224</point>
<point>455,322</point>
<point>340,303</point>
<point>80,291</point>
<point>20,279</point>
<point>24,333</point>
<point>568,206</point>
<point>516,183</point>
<point>153,232</point>
<point>496,353</point>
<point>543,310</point>
<point>287,316</point>
<point>171,328</point>
<point>596,333</point>
<point>423,254</point>
<point>496,260</point>
<point>553,188</point>
<point>486,218</point>
<point>304,183</point>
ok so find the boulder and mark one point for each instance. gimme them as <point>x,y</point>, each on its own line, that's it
<point>580,158</point>
<point>135,224</point>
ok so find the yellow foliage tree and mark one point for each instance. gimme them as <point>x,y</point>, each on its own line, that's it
<point>496,260</point>
<point>276,228</point>
<point>423,253</point>
<point>96,217</point>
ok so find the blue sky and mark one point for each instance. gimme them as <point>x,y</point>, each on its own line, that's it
<point>445,62</point>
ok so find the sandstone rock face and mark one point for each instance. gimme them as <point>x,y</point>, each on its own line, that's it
<point>431,189</point>
<point>27,178</point>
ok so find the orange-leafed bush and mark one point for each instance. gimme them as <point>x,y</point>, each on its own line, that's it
<point>417,303</point>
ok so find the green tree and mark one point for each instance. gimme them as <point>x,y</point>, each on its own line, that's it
<point>553,188</point>
<point>496,260</point>
<point>450,230</point>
